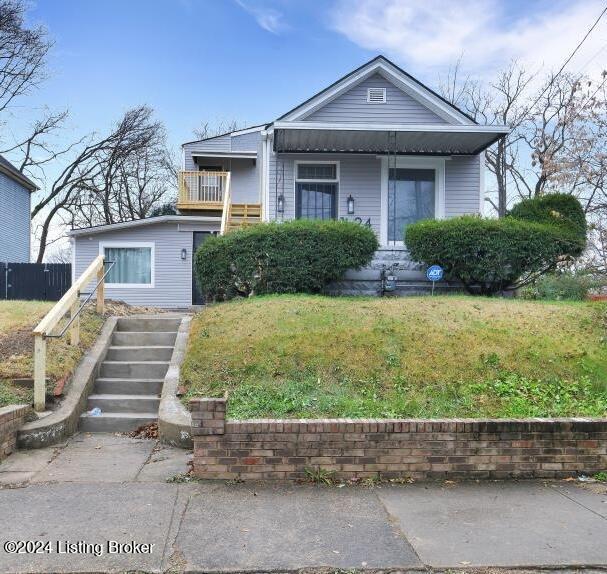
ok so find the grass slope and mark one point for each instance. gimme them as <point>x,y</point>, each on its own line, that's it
<point>17,319</point>
<point>313,356</point>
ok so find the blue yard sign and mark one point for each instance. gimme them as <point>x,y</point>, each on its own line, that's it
<point>434,273</point>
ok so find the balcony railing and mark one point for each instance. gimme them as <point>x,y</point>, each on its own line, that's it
<point>200,189</point>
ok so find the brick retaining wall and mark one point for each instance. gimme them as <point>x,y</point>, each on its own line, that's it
<point>283,449</point>
<point>11,419</point>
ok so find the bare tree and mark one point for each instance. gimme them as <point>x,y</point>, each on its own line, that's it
<point>504,102</point>
<point>23,53</point>
<point>91,189</point>
<point>208,129</point>
<point>62,254</point>
<point>132,177</point>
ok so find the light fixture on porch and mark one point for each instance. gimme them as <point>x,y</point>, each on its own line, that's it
<point>184,254</point>
<point>350,205</point>
<point>280,205</point>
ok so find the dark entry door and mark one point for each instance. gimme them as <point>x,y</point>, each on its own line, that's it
<point>198,238</point>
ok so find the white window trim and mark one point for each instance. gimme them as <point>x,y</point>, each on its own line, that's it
<point>437,164</point>
<point>297,180</point>
<point>126,244</point>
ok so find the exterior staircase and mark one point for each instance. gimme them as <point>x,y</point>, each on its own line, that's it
<point>243,215</point>
<point>130,378</point>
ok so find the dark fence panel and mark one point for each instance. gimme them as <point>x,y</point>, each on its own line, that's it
<point>39,281</point>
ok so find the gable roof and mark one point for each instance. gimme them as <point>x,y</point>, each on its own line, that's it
<point>390,71</point>
<point>8,169</point>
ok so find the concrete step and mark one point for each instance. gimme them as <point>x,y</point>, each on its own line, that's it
<point>139,353</point>
<point>124,403</point>
<point>115,422</point>
<point>134,369</point>
<point>138,338</point>
<point>117,386</point>
<point>129,324</point>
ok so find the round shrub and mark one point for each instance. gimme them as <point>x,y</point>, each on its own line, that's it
<point>560,209</point>
<point>294,257</point>
<point>489,255</point>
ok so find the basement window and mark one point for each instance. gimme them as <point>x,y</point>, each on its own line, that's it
<point>376,95</point>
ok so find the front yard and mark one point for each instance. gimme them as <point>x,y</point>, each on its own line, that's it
<point>17,319</point>
<point>303,356</point>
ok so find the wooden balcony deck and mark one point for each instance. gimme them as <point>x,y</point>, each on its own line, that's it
<point>202,190</point>
<point>209,192</point>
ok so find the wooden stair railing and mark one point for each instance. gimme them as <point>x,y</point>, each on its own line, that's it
<point>70,302</point>
<point>227,202</point>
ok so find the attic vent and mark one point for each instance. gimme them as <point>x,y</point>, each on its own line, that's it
<point>376,95</point>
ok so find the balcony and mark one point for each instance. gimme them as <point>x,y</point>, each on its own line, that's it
<point>203,190</point>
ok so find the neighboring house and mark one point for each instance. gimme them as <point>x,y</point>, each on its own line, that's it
<point>15,209</point>
<point>376,147</point>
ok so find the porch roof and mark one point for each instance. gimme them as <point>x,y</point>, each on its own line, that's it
<point>439,139</point>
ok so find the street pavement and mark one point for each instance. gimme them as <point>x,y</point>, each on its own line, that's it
<point>110,503</point>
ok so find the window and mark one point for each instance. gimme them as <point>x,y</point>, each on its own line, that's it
<point>133,264</point>
<point>376,95</point>
<point>317,171</point>
<point>316,188</point>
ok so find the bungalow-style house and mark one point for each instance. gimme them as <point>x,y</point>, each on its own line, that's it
<point>15,194</point>
<point>376,147</point>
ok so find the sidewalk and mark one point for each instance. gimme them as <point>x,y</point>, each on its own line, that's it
<point>104,487</point>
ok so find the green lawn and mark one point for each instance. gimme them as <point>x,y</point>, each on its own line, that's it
<point>452,356</point>
<point>17,319</point>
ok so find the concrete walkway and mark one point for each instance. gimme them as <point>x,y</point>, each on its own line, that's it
<point>100,488</point>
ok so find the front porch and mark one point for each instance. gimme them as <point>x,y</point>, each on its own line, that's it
<point>383,176</point>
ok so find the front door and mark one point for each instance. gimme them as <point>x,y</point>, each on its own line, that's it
<point>199,237</point>
<point>411,197</point>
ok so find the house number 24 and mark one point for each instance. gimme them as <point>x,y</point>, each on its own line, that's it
<point>359,220</point>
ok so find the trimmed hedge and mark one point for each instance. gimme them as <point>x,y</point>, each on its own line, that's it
<point>490,255</point>
<point>560,209</point>
<point>293,257</point>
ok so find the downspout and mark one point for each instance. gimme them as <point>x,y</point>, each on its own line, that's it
<point>263,176</point>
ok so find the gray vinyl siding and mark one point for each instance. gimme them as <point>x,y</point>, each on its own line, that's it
<point>245,180</point>
<point>360,176</point>
<point>352,106</point>
<point>14,221</point>
<point>462,185</point>
<point>245,171</point>
<point>172,275</point>
<point>246,142</point>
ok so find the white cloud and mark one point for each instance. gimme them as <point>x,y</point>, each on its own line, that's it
<point>268,18</point>
<point>486,33</point>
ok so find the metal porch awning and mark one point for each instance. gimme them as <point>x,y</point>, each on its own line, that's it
<point>314,137</point>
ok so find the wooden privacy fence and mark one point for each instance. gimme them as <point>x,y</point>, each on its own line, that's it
<point>34,281</point>
<point>70,302</point>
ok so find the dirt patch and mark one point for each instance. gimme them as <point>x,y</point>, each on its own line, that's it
<point>15,344</point>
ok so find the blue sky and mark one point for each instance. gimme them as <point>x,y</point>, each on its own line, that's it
<point>252,60</point>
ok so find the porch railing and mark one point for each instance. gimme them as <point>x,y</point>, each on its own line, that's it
<point>202,187</point>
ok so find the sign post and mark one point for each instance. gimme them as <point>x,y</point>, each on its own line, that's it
<point>434,273</point>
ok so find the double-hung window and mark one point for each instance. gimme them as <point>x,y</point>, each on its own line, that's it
<point>132,264</point>
<point>316,189</point>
